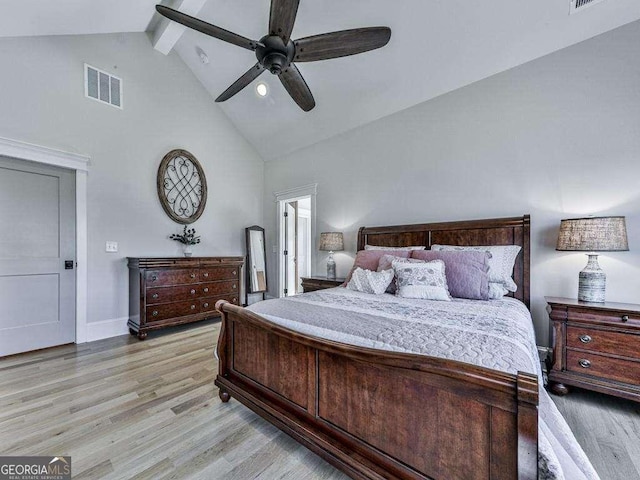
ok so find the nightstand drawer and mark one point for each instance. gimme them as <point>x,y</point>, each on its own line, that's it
<point>602,317</point>
<point>626,371</point>
<point>602,341</point>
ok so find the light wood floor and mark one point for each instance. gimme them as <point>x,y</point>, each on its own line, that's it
<point>149,410</point>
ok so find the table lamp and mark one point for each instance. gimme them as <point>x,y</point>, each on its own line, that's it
<point>592,234</point>
<point>331,242</point>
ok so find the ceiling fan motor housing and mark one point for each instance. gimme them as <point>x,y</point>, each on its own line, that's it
<point>273,54</point>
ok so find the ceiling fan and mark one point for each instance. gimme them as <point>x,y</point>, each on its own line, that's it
<point>276,51</point>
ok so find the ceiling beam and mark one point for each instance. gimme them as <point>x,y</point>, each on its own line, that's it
<point>168,33</point>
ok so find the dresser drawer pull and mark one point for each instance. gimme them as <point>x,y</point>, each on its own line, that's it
<point>205,274</point>
<point>206,290</point>
<point>193,307</point>
<point>193,275</point>
<point>206,305</point>
<point>584,363</point>
<point>155,313</point>
<point>585,338</point>
<point>155,295</point>
<point>235,286</point>
<point>193,292</point>
<point>235,300</point>
<point>235,273</point>
<point>625,318</point>
<point>154,278</point>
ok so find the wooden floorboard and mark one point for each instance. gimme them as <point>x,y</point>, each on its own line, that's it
<point>125,409</point>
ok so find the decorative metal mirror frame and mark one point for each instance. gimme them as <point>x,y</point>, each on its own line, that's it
<point>162,178</point>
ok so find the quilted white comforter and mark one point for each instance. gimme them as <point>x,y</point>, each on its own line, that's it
<point>496,334</point>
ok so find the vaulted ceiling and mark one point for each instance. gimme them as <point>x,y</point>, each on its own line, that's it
<point>436,47</point>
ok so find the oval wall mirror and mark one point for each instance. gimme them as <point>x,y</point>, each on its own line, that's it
<point>182,186</point>
<point>256,260</point>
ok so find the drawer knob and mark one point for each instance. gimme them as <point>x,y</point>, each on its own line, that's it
<point>206,289</point>
<point>625,318</point>
<point>585,338</point>
<point>205,274</point>
<point>235,300</point>
<point>155,313</point>
<point>155,295</point>
<point>193,275</point>
<point>154,278</point>
<point>584,363</point>
<point>193,292</point>
<point>235,286</point>
<point>193,307</point>
<point>235,273</point>
<point>206,305</point>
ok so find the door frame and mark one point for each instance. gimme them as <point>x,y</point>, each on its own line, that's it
<point>282,197</point>
<point>72,161</point>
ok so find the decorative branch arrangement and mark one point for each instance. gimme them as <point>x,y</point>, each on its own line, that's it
<point>188,236</point>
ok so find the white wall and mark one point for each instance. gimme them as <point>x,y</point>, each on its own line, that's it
<point>557,137</point>
<point>165,107</point>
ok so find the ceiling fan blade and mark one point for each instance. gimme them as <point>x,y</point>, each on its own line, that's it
<point>206,28</point>
<point>253,73</point>
<point>341,44</point>
<point>297,87</point>
<point>282,17</point>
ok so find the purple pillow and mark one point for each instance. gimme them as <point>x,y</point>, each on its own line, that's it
<point>467,274</point>
<point>368,260</point>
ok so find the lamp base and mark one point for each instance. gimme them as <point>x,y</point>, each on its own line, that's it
<point>592,282</point>
<point>331,267</point>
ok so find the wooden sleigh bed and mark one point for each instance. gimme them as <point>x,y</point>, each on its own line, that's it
<point>376,414</point>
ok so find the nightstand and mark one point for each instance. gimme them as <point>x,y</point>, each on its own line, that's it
<point>595,346</point>
<point>311,284</point>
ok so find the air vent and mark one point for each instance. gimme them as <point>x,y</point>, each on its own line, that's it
<point>102,86</point>
<point>579,5</point>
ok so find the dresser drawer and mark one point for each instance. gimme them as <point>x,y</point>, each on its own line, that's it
<point>217,273</point>
<point>171,277</point>
<point>602,317</point>
<point>603,341</point>
<point>209,304</point>
<point>601,366</point>
<point>216,288</point>
<point>173,294</point>
<point>170,310</point>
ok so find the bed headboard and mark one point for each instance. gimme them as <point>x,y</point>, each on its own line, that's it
<point>495,231</point>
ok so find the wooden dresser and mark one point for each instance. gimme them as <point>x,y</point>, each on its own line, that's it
<point>171,291</point>
<point>595,346</point>
<point>311,284</point>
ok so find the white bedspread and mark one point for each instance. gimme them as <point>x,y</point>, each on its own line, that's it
<point>496,334</point>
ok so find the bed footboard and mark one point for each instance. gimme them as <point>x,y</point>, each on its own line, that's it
<point>375,414</point>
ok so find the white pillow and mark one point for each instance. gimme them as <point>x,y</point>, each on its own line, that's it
<point>496,291</point>
<point>421,280</point>
<point>370,282</point>
<point>375,247</point>
<point>501,261</point>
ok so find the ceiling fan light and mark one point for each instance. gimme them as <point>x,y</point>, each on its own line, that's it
<point>261,89</point>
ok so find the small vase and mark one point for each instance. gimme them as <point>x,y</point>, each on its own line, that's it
<point>187,250</point>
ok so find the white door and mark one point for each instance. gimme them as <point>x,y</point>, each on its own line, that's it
<point>291,274</point>
<point>37,256</point>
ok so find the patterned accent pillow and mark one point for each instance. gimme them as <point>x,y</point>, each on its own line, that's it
<point>406,249</point>
<point>501,262</point>
<point>368,281</point>
<point>386,263</point>
<point>368,259</point>
<point>422,280</point>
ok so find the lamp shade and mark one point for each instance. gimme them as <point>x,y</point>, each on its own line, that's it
<point>593,234</point>
<point>331,241</point>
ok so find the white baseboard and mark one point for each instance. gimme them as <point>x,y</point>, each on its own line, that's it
<point>107,329</point>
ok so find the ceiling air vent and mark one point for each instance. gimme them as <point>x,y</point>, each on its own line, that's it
<point>579,5</point>
<point>102,86</point>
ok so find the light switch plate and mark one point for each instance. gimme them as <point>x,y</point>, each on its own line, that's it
<point>111,247</point>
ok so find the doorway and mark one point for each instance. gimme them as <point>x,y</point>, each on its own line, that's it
<point>296,230</point>
<point>37,256</point>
